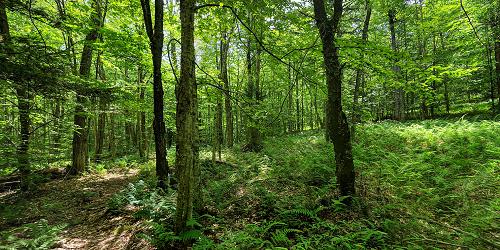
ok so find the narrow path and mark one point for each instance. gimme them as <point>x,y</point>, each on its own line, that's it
<point>81,203</point>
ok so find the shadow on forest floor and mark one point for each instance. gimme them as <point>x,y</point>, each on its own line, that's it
<point>81,204</point>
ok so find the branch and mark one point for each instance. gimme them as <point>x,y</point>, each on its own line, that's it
<point>472,25</point>
<point>261,44</point>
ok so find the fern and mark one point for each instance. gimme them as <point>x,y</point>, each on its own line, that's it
<point>191,235</point>
<point>312,214</point>
<point>39,235</point>
<point>280,237</point>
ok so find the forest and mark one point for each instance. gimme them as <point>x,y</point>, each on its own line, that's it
<point>250,124</point>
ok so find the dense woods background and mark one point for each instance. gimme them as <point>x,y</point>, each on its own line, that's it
<point>254,124</point>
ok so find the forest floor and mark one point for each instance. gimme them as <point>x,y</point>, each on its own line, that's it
<point>431,184</point>
<point>78,208</point>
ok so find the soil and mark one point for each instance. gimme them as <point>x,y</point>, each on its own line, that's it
<point>81,204</point>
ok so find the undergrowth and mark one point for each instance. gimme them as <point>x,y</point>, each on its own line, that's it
<point>421,185</point>
<point>39,235</point>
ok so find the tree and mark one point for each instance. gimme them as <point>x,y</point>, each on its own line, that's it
<point>155,35</point>
<point>23,98</point>
<point>359,72</point>
<point>224,49</point>
<point>338,126</point>
<point>80,135</point>
<point>186,121</point>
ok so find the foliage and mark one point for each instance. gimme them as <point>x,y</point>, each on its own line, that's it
<point>38,235</point>
<point>147,201</point>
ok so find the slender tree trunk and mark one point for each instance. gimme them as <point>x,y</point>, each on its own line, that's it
<point>23,105</point>
<point>23,157</point>
<point>338,125</point>
<point>155,34</point>
<point>290,101</point>
<point>356,115</point>
<point>101,120</point>
<point>497,67</point>
<point>112,136</point>
<point>297,106</point>
<point>101,126</point>
<point>56,146</point>
<point>254,140</point>
<point>224,48</point>
<point>399,110</point>
<point>445,82</point>
<point>142,116</point>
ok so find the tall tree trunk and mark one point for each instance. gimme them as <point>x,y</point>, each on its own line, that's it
<point>290,101</point>
<point>356,115</point>
<point>22,94</point>
<point>399,110</point>
<point>445,82</point>
<point>142,116</point>
<point>497,67</point>
<point>80,135</point>
<point>254,140</point>
<point>23,147</point>
<point>338,125</point>
<point>101,126</point>
<point>57,113</point>
<point>224,48</point>
<point>186,121</point>
<point>297,106</point>
<point>155,35</point>
<point>101,119</point>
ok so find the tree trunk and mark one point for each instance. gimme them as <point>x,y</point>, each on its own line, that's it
<point>186,121</point>
<point>142,117</point>
<point>356,116</point>
<point>254,140</point>
<point>101,126</point>
<point>338,125</point>
<point>155,35</point>
<point>290,100</point>
<point>101,119</point>
<point>22,94</point>
<point>399,92</point>
<point>80,135</point>
<point>56,144</point>
<point>224,48</point>
<point>497,67</point>
<point>23,147</point>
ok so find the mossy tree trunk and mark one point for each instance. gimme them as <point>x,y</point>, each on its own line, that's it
<point>186,122</point>
<point>337,125</point>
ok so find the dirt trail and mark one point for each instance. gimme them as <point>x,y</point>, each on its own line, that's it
<point>81,203</point>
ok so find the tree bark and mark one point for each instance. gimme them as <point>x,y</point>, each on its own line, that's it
<point>22,94</point>
<point>142,116</point>
<point>80,135</point>
<point>356,116</point>
<point>399,92</point>
<point>497,67</point>
<point>224,48</point>
<point>155,35</point>
<point>186,121</point>
<point>101,119</point>
<point>23,156</point>
<point>254,140</point>
<point>338,125</point>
